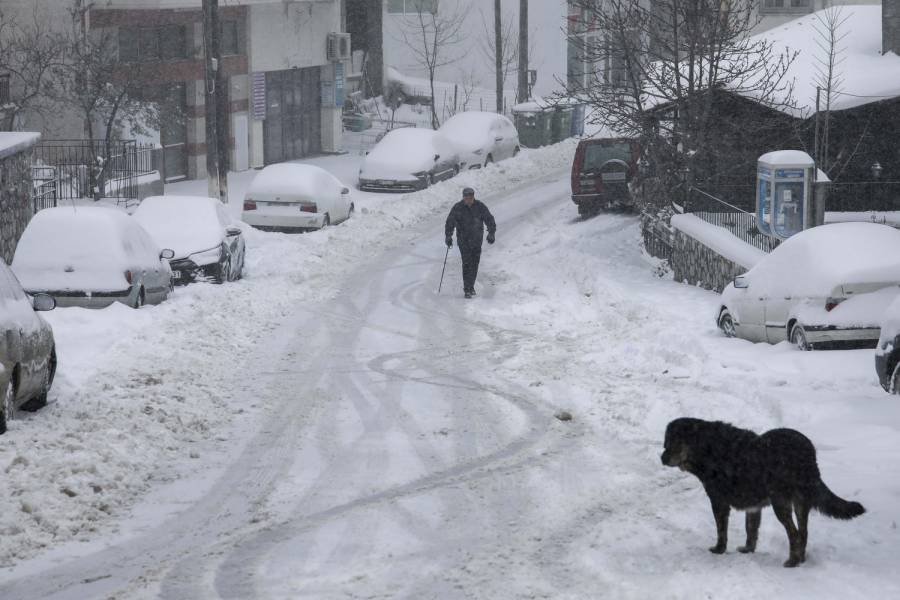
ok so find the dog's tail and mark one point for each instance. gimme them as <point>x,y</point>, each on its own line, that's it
<point>831,505</point>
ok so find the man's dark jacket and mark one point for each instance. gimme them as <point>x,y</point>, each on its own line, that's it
<point>469,222</point>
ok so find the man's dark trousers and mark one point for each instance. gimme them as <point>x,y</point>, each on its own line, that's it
<point>471,256</point>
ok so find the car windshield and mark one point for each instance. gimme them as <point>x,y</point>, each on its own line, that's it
<point>595,155</point>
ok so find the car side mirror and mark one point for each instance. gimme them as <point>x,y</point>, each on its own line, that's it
<point>345,191</point>
<point>741,283</point>
<point>436,156</point>
<point>43,302</point>
<point>232,231</point>
<point>167,254</point>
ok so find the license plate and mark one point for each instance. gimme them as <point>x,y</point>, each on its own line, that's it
<point>386,182</point>
<point>176,274</point>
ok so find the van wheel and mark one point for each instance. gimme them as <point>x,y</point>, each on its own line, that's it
<point>726,324</point>
<point>516,151</point>
<point>7,409</point>
<point>798,338</point>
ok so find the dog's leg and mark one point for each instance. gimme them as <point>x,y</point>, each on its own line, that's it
<point>753,518</point>
<point>802,508</point>
<point>782,509</point>
<point>720,512</point>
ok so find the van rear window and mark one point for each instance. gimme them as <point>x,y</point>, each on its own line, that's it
<point>596,155</point>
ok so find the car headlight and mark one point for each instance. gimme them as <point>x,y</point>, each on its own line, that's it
<point>479,152</point>
<point>420,174</point>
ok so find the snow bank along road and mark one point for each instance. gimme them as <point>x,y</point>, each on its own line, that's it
<point>331,427</point>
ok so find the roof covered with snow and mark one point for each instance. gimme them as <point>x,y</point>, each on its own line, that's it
<point>866,74</point>
<point>16,141</point>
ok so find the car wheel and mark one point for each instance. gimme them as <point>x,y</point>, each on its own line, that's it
<point>726,324</point>
<point>798,338</point>
<point>7,409</point>
<point>516,151</point>
<point>488,160</point>
<point>350,212</point>
<point>895,380</point>
<point>40,401</point>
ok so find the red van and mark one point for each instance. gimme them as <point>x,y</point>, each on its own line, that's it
<point>601,171</point>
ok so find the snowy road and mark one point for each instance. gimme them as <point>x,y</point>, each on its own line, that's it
<point>401,443</point>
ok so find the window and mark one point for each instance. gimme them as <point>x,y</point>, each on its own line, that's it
<point>4,89</point>
<point>785,6</point>
<point>153,44</point>
<point>412,6</point>
<point>228,38</point>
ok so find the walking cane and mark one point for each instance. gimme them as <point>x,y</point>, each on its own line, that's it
<point>442,270</point>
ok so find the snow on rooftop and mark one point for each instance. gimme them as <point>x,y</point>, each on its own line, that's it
<point>787,158</point>
<point>867,74</point>
<point>16,141</point>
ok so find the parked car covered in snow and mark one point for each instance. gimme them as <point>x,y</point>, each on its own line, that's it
<point>887,352</point>
<point>92,256</point>
<point>481,138</point>
<point>27,349</point>
<point>826,285</point>
<point>207,244</point>
<point>296,197</point>
<point>407,160</point>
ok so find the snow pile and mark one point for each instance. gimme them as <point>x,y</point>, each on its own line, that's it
<point>140,392</point>
<point>12,142</point>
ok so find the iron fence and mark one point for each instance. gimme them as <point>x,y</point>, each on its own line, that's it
<point>95,169</point>
<point>44,187</point>
<point>740,223</point>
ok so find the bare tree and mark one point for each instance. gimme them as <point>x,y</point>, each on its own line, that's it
<point>29,53</point>
<point>654,71</point>
<point>431,35</point>
<point>828,78</point>
<point>104,89</point>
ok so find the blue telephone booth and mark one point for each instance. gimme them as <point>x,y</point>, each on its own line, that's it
<point>783,193</point>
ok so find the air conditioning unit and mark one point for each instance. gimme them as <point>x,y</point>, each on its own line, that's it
<point>338,47</point>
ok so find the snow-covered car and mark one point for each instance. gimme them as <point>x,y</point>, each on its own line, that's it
<point>408,159</point>
<point>826,285</point>
<point>208,245</point>
<point>296,197</point>
<point>92,256</point>
<point>27,348</point>
<point>887,352</point>
<point>481,138</point>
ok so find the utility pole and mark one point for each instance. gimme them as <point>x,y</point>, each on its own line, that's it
<point>523,50</point>
<point>215,105</point>
<point>498,54</point>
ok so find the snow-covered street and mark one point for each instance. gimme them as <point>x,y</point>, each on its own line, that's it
<point>332,427</point>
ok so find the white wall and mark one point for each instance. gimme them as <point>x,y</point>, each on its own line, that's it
<point>546,30</point>
<point>288,35</point>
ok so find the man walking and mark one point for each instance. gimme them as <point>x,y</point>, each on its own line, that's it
<point>469,217</point>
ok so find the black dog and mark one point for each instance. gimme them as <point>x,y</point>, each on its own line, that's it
<point>747,471</point>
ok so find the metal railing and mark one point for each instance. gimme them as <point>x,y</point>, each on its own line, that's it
<point>740,223</point>
<point>97,169</point>
<point>44,188</point>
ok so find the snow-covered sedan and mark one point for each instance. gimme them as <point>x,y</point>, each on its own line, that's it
<point>887,352</point>
<point>826,285</point>
<point>407,160</point>
<point>27,349</point>
<point>92,256</point>
<point>296,197</point>
<point>481,138</point>
<point>208,246</point>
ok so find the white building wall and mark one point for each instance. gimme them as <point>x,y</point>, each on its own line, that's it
<point>282,36</point>
<point>547,21</point>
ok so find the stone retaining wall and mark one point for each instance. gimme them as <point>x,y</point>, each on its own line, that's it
<point>15,200</point>
<point>694,263</point>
